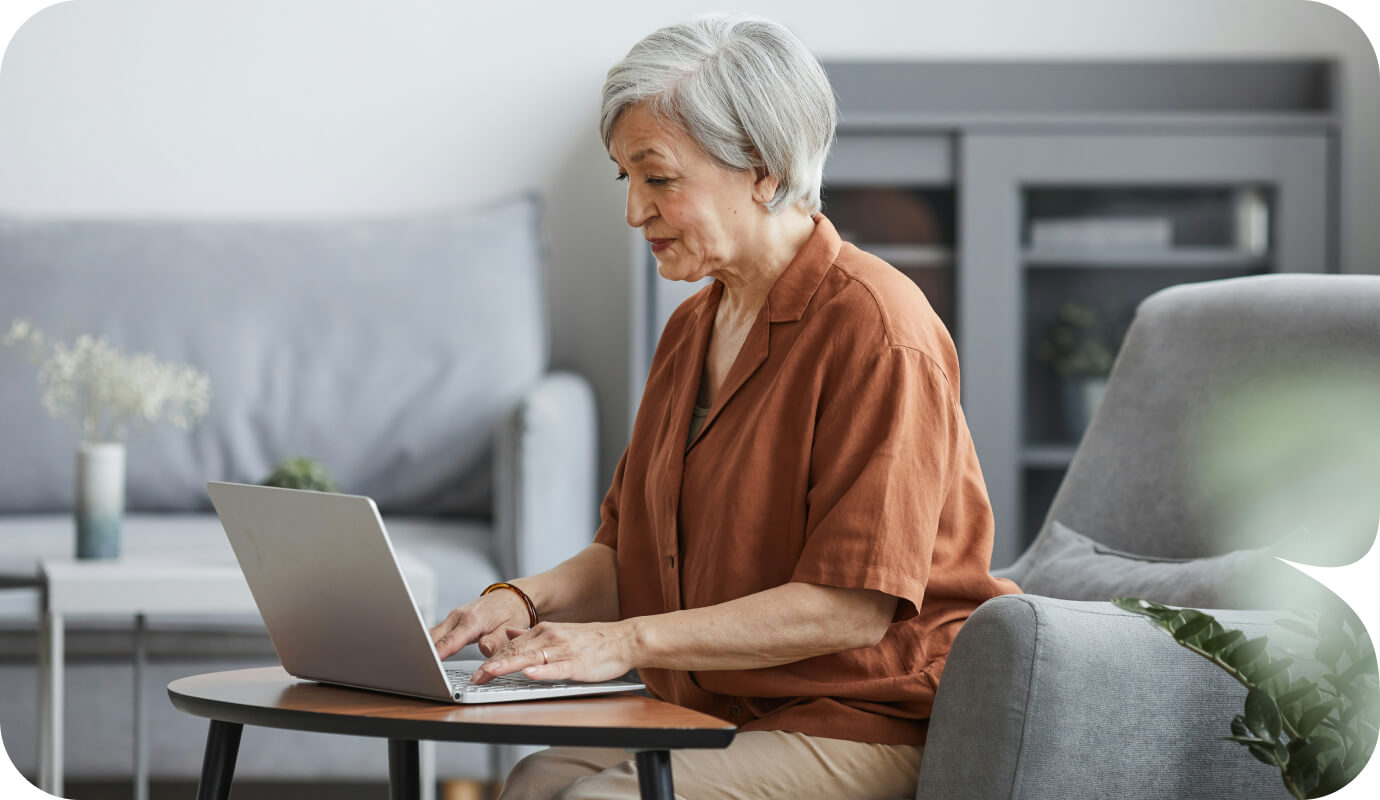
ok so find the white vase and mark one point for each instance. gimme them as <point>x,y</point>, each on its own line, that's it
<point>1081,398</point>
<point>100,506</point>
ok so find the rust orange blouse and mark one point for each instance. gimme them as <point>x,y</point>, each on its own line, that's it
<point>835,453</point>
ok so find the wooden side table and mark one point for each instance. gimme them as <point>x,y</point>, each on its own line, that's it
<point>136,587</point>
<point>269,697</point>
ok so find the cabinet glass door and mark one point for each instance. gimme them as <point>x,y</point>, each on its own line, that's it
<point>910,227</point>
<point>1089,255</point>
<point>1060,237</point>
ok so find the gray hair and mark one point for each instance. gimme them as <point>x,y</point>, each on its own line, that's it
<point>745,89</point>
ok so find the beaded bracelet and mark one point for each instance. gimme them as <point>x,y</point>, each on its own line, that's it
<point>531,609</point>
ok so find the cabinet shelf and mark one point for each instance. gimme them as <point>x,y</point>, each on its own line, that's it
<point>911,256</point>
<point>1115,258</point>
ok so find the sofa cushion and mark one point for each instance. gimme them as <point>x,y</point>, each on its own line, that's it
<point>386,348</point>
<point>1069,566</point>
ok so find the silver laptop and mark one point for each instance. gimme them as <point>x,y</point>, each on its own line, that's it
<point>336,604</point>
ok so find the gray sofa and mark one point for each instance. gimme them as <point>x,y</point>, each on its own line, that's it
<point>1227,397</point>
<point>410,355</point>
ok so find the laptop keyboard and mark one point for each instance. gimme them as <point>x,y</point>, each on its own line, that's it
<point>459,680</point>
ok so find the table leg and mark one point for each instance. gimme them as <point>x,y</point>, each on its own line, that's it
<point>427,770</point>
<point>50,697</point>
<point>218,767</point>
<point>654,774</point>
<point>45,700</point>
<point>141,731</point>
<point>404,781</point>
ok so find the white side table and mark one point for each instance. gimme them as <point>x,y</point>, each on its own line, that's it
<point>142,585</point>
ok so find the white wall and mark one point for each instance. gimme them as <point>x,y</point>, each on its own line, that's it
<point>286,108</point>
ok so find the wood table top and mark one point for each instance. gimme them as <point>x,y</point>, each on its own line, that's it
<point>270,697</point>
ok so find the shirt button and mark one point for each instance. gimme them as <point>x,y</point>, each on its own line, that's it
<point>671,561</point>
<point>735,709</point>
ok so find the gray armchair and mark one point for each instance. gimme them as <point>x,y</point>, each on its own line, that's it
<point>1054,694</point>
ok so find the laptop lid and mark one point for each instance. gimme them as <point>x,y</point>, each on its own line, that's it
<point>328,586</point>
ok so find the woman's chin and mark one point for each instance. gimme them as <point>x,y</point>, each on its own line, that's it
<point>671,270</point>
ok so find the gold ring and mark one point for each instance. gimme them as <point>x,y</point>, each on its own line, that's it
<point>543,657</point>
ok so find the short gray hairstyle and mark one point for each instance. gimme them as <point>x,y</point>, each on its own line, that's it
<point>744,88</point>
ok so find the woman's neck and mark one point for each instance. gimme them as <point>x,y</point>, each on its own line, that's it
<point>747,284</point>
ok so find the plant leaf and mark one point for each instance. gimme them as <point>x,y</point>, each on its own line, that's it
<point>1305,774</point>
<point>1277,685</point>
<point>1334,777</point>
<point>1365,666</point>
<point>1238,726</point>
<point>1336,681</point>
<point>1328,651</point>
<point>1135,605</point>
<point>1218,645</point>
<point>1263,754</point>
<point>1268,669</point>
<point>1308,749</point>
<point>1241,656</point>
<point>1195,622</point>
<point>1309,719</point>
<point>1301,628</point>
<point>1262,715</point>
<point>1297,692</point>
<point>1352,762</point>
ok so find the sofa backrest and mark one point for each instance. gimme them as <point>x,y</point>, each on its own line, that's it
<point>1239,412</point>
<point>386,348</point>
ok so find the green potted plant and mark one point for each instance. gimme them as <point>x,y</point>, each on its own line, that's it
<point>1318,728</point>
<point>1080,345</point>
<point>298,472</point>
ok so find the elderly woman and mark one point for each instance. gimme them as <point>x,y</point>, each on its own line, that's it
<point>798,526</point>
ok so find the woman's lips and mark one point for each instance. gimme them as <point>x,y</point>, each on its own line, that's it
<point>659,245</point>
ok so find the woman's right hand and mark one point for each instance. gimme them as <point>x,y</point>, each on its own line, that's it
<point>485,620</point>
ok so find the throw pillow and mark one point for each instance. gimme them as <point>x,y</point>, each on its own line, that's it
<point>1070,566</point>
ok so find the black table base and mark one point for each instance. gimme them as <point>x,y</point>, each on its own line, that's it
<point>404,770</point>
<point>404,767</point>
<point>654,774</point>
<point>218,765</point>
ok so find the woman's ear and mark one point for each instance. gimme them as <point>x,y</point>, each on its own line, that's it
<point>765,186</point>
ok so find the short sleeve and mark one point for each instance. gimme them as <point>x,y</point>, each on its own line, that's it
<point>884,449</point>
<point>608,510</point>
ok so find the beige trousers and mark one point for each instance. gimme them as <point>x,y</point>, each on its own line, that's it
<point>760,765</point>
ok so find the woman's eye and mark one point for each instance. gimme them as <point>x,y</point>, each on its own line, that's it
<point>622,176</point>
<point>657,181</point>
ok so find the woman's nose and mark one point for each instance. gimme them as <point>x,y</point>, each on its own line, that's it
<point>640,209</point>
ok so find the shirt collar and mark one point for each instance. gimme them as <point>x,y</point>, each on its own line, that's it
<point>791,292</point>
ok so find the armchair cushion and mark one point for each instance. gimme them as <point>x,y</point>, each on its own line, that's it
<point>1045,698</point>
<point>1067,565</point>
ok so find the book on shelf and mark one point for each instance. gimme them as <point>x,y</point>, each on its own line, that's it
<point>1094,232</point>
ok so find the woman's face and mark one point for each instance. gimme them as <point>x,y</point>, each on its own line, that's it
<point>698,215</point>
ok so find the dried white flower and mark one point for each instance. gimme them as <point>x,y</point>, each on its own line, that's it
<point>103,394</point>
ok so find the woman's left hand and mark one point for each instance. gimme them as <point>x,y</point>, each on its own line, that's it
<point>559,651</point>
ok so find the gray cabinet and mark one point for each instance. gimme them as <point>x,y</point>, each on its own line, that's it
<point>1123,216</point>
<point>1016,194</point>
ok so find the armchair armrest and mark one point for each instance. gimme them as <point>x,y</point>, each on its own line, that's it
<point>544,476</point>
<point>1045,698</point>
